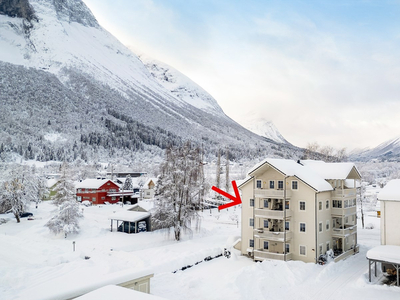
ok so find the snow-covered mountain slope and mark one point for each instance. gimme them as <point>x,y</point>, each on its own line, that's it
<point>182,87</point>
<point>63,74</point>
<point>264,128</point>
<point>389,150</point>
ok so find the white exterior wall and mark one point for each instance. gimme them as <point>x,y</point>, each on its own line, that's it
<point>390,222</point>
<point>325,217</point>
<point>247,213</point>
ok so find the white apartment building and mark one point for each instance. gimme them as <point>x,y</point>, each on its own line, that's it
<point>299,210</point>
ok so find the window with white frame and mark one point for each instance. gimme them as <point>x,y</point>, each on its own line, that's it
<point>251,222</point>
<point>302,205</point>
<point>328,246</point>
<point>320,227</point>
<point>294,185</point>
<point>287,248</point>
<point>266,244</point>
<point>337,203</point>
<point>271,184</point>
<point>327,225</point>
<point>302,227</point>
<point>303,250</point>
<point>251,202</point>
<point>320,205</point>
<point>265,223</point>
<point>327,204</point>
<point>287,204</point>
<point>259,184</point>
<point>280,184</point>
<point>287,225</point>
<point>321,249</point>
<point>251,243</point>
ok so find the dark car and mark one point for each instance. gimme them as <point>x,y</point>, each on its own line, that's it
<point>25,215</point>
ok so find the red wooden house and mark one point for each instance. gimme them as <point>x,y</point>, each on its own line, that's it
<point>97,191</point>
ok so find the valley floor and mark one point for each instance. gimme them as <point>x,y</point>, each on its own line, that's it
<point>35,264</point>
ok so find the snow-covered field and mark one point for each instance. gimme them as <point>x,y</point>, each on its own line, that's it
<point>34,264</point>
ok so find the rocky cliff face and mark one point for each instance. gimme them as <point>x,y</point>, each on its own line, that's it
<point>75,11</point>
<point>17,8</point>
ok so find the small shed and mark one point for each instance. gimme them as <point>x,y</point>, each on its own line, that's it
<point>130,221</point>
<point>386,255</point>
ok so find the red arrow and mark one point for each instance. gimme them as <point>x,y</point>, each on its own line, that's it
<point>236,200</point>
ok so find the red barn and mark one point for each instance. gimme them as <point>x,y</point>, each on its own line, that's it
<point>97,191</point>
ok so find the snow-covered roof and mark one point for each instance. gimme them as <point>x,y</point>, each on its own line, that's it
<point>129,216</point>
<point>391,191</point>
<point>292,168</point>
<point>331,170</point>
<point>92,183</point>
<point>386,253</point>
<point>145,204</point>
<point>117,292</point>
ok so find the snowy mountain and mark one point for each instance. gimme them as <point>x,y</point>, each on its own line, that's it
<point>264,128</point>
<point>182,87</point>
<point>389,150</point>
<point>63,75</point>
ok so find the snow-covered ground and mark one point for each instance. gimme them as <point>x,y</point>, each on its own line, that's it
<point>34,264</point>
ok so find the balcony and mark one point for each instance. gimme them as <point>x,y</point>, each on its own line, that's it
<point>265,233</point>
<point>342,232</point>
<point>344,193</point>
<point>263,255</point>
<point>272,214</point>
<point>344,211</point>
<point>270,193</point>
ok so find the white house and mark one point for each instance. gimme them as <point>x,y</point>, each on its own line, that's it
<point>299,210</point>
<point>389,198</point>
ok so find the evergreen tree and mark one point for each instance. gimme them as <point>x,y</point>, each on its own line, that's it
<point>65,190</point>
<point>179,189</point>
<point>128,183</point>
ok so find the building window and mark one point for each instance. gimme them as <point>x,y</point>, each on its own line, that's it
<point>251,202</point>
<point>302,250</point>
<point>280,185</point>
<point>321,249</point>
<point>287,225</point>
<point>265,223</point>
<point>266,203</point>
<point>302,227</point>
<point>327,225</point>
<point>320,205</point>
<point>320,227</point>
<point>287,248</point>
<point>265,245</point>
<point>252,222</point>
<point>251,243</point>
<point>294,185</point>
<point>259,184</point>
<point>337,203</point>
<point>302,205</point>
<point>103,198</point>
<point>327,204</point>
<point>328,247</point>
<point>271,184</point>
<point>94,199</point>
<point>287,204</point>
<point>346,220</point>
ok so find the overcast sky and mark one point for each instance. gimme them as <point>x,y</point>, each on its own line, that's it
<point>324,71</point>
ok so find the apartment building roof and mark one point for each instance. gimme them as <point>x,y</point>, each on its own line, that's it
<point>327,171</point>
<point>292,168</point>
<point>391,191</point>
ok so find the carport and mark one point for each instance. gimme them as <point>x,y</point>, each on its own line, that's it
<point>132,218</point>
<point>384,254</point>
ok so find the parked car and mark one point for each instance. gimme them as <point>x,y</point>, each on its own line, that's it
<point>25,214</point>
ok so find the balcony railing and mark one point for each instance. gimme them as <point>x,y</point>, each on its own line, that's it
<point>264,233</point>
<point>341,232</point>
<point>262,255</point>
<point>270,193</point>
<point>344,193</point>
<point>344,211</point>
<point>272,214</point>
